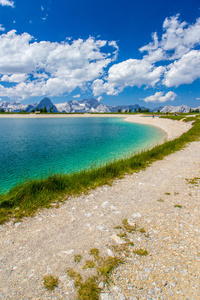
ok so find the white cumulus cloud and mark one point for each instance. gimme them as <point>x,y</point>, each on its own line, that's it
<point>53,69</point>
<point>177,50</point>
<point>2,28</point>
<point>45,68</point>
<point>178,39</point>
<point>14,78</point>
<point>183,71</point>
<point>7,3</point>
<point>131,72</point>
<point>160,97</point>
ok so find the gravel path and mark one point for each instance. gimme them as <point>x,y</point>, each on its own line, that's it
<point>48,242</point>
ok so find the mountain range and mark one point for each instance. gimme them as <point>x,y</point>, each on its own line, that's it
<point>84,106</point>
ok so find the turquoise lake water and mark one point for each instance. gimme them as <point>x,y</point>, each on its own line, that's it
<point>31,148</point>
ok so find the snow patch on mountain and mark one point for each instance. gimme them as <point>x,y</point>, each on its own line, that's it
<point>9,106</point>
<point>179,109</point>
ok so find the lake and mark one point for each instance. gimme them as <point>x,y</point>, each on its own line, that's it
<point>34,148</point>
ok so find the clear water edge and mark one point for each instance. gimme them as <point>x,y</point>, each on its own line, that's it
<point>36,148</point>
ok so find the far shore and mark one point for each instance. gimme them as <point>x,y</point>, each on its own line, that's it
<point>174,129</point>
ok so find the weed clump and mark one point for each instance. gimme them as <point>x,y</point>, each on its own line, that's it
<point>89,290</point>
<point>95,253</point>
<point>77,258</point>
<point>50,282</point>
<point>141,252</point>
<point>195,181</point>
<point>122,235</point>
<point>108,265</point>
<point>127,226</point>
<point>118,227</point>
<point>89,264</point>
<point>160,200</point>
<point>75,276</point>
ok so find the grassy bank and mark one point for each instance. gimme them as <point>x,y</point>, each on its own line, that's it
<point>26,198</point>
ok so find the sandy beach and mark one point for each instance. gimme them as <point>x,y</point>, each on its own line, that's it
<point>159,199</point>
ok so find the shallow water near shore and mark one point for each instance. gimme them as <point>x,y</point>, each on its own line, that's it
<point>34,148</point>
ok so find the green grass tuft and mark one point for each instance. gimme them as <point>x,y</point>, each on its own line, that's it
<point>195,181</point>
<point>77,258</point>
<point>89,290</point>
<point>50,282</point>
<point>122,235</point>
<point>160,200</point>
<point>89,264</point>
<point>108,265</point>
<point>95,253</point>
<point>75,276</point>
<point>141,252</point>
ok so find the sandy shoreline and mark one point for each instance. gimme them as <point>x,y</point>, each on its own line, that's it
<point>173,128</point>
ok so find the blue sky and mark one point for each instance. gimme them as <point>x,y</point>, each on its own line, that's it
<point>120,52</point>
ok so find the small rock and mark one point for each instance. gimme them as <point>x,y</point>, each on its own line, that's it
<point>136,215</point>
<point>101,285</point>
<point>71,284</point>
<point>88,215</point>
<point>116,289</point>
<point>104,204</point>
<point>63,278</point>
<point>106,296</point>
<point>68,252</point>
<point>131,222</point>
<point>117,239</point>
<point>100,227</point>
<point>113,207</point>
<point>17,224</point>
<point>110,253</point>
